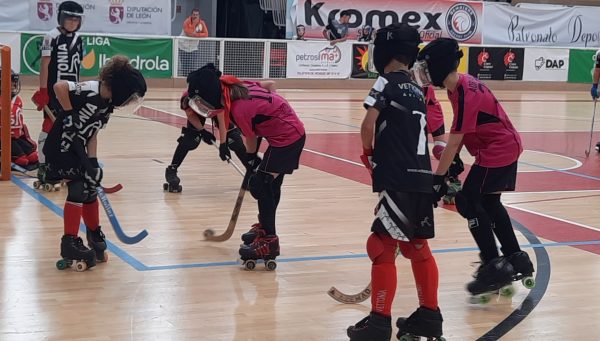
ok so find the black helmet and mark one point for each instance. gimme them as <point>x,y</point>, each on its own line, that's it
<point>437,60</point>
<point>127,86</point>
<point>395,41</point>
<point>69,9</point>
<point>15,83</point>
<point>205,83</point>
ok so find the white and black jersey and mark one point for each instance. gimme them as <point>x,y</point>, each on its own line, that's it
<point>400,155</point>
<point>92,114</point>
<point>65,52</point>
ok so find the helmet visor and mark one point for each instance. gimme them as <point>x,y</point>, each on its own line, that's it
<point>15,85</point>
<point>371,62</point>
<point>421,73</point>
<point>202,108</point>
<point>131,105</point>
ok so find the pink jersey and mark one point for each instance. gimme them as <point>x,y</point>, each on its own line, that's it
<point>268,115</point>
<point>488,133</point>
<point>435,115</point>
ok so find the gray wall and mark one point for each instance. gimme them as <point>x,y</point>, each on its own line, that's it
<point>208,13</point>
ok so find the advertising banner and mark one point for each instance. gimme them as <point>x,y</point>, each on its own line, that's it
<point>13,40</point>
<point>316,59</point>
<point>558,26</point>
<point>546,64</point>
<point>442,18</point>
<point>149,17</point>
<point>496,63</point>
<point>581,65</point>
<point>153,57</point>
<point>13,15</point>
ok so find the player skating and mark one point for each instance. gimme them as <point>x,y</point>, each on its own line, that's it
<point>71,147</point>
<point>394,139</point>
<point>259,112</point>
<point>483,127</point>
<point>62,51</point>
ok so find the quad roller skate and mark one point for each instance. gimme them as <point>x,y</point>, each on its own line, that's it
<point>374,327</point>
<point>265,248</point>
<point>423,323</point>
<point>43,183</point>
<point>172,185</point>
<point>598,147</point>
<point>74,253</point>
<point>494,277</point>
<point>454,185</point>
<point>97,242</point>
<point>255,231</point>
<point>523,269</point>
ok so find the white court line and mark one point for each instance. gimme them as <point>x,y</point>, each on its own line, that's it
<point>553,217</point>
<point>546,169</point>
<point>333,157</point>
<point>555,192</point>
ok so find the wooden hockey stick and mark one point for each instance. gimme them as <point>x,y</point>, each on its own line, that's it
<point>113,189</point>
<point>209,234</point>
<point>49,113</point>
<point>348,298</point>
<point>115,222</point>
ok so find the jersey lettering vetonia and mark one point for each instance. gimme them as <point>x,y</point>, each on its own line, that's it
<point>65,52</point>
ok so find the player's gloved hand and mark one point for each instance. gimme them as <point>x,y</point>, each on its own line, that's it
<point>367,159</point>
<point>440,188</point>
<point>40,98</point>
<point>69,121</point>
<point>252,162</point>
<point>93,176</point>
<point>224,153</point>
<point>207,136</point>
<point>594,91</point>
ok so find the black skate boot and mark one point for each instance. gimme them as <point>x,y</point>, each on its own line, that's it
<point>255,231</point>
<point>424,322</point>
<point>523,268</point>
<point>172,185</point>
<point>97,242</point>
<point>43,182</point>
<point>265,247</point>
<point>491,278</point>
<point>73,252</point>
<point>374,327</point>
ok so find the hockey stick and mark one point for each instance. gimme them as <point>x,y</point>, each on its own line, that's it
<point>113,189</point>
<point>237,168</point>
<point>209,234</point>
<point>350,299</point>
<point>21,170</point>
<point>587,152</point>
<point>49,113</point>
<point>115,223</point>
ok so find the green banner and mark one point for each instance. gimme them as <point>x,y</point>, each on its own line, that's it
<point>581,66</point>
<point>153,57</point>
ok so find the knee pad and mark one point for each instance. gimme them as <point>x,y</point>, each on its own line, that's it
<point>235,142</point>
<point>438,149</point>
<point>456,167</point>
<point>381,248</point>
<point>260,184</point>
<point>415,250</point>
<point>77,192</point>
<point>189,138</point>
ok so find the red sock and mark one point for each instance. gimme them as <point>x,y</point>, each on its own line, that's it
<point>426,279</point>
<point>91,217</point>
<point>383,273</point>
<point>72,217</point>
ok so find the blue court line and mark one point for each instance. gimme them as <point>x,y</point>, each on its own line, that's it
<point>140,266</point>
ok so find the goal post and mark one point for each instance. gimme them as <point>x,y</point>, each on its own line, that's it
<point>5,113</point>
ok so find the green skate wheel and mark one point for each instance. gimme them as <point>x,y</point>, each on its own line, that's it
<point>528,282</point>
<point>250,264</point>
<point>62,264</point>
<point>507,291</point>
<point>406,337</point>
<point>270,265</point>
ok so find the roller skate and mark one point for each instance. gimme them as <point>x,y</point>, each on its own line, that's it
<point>454,185</point>
<point>172,185</point>
<point>374,327</point>
<point>43,183</point>
<point>523,269</point>
<point>97,242</point>
<point>255,231</point>
<point>494,277</point>
<point>424,322</point>
<point>73,252</point>
<point>264,247</point>
<point>598,147</point>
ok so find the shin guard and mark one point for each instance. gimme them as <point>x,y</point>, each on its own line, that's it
<point>382,252</point>
<point>424,269</point>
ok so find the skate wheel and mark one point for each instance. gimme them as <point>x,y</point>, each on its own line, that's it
<point>48,187</point>
<point>406,337</point>
<point>250,264</point>
<point>209,233</point>
<point>80,266</point>
<point>270,265</point>
<point>507,291</point>
<point>480,299</point>
<point>528,282</point>
<point>62,264</point>
<point>37,184</point>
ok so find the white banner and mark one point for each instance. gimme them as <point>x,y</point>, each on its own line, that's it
<point>151,17</point>
<point>13,15</point>
<point>318,60</point>
<point>546,64</point>
<point>14,41</point>
<point>558,26</point>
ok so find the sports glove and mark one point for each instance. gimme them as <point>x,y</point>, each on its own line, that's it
<point>594,91</point>
<point>367,159</point>
<point>224,153</point>
<point>440,188</point>
<point>93,176</point>
<point>40,98</point>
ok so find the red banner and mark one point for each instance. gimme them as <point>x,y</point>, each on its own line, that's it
<point>434,19</point>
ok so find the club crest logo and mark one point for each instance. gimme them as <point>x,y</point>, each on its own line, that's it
<point>116,11</point>
<point>45,9</point>
<point>461,21</point>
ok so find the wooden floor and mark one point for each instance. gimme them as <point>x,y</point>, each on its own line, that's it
<point>176,286</point>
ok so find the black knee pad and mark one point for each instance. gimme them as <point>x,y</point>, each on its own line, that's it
<point>189,139</point>
<point>260,185</point>
<point>77,192</point>
<point>470,207</point>
<point>235,142</point>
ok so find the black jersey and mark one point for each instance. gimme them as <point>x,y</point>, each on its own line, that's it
<point>65,52</point>
<point>92,113</point>
<point>598,59</point>
<point>400,155</point>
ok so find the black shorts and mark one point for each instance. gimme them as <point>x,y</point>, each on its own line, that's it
<point>64,166</point>
<point>283,160</point>
<point>484,180</point>
<point>404,216</point>
<point>440,131</point>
